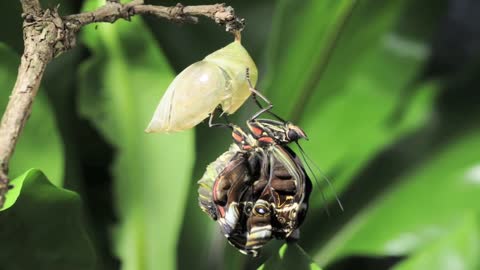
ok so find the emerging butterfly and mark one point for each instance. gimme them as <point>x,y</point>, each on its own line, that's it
<point>258,189</point>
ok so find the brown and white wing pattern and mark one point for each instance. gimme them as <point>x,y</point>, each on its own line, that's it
<point>256,194</point>
<point>206,183</point>
<point>289,188</point>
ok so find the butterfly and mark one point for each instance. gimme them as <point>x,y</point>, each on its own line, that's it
<point>258,189</point>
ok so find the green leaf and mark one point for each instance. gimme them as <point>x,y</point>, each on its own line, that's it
<point>121,85</point>
<point>347,72</point>
<point>39,145</point>
<point>344,78</point>
<point>290,256</point>
<point>307,46</point>
<point>44,228</point>
<point>13,193</point>
<point>457,249</point>
<point>420,208</point>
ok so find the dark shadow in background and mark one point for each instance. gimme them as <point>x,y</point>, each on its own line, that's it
<point>88,156</point>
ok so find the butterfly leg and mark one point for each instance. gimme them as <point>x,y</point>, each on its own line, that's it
<point>211,124</point>
<point>255,94</point>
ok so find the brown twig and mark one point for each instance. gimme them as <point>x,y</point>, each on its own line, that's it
<point>113,11</point>
<point>46,34</point>
<point>31,6</point>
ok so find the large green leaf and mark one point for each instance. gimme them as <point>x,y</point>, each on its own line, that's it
<point>422,207</point>
<point>14,192</point>
<point>44,228</point>
<point>39,145</point>
<point>457,249</point>
<point>341,68</point>
<point>304,33</point>
<point>121,86</point>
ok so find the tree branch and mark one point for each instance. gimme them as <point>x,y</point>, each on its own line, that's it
<point>31,6</point>
<point>112,11</point>
<point>46,35</point>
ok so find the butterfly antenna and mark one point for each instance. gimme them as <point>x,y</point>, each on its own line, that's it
<point>329,183</point>
<point>324,198</point>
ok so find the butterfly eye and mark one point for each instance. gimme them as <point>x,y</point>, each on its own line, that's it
<point>292,135</point>
<point>295,133</point>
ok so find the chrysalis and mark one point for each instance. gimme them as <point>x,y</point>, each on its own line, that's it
<point>219,79</point>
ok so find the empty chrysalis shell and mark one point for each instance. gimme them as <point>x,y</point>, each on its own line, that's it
<point>219,79</point>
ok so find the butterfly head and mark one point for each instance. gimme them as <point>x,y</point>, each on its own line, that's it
<point>272,131</point>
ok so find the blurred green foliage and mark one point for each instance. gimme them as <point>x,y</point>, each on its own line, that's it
<point>401,150</point>
<point>426,205</point>
<point>119,89</point>
<point>359,67</point>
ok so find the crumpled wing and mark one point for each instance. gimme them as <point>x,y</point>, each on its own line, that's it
<point>228,190</point>
<point>205,196</point>
<point>289,188</point>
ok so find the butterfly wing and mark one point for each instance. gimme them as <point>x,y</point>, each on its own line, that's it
<point>226,193</point>
<point>256,195</point>
<point>280,197</point>
<point>289,188</point>
<point>206,183</point>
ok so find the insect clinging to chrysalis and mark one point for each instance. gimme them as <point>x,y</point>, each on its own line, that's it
<point>258,189</point>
